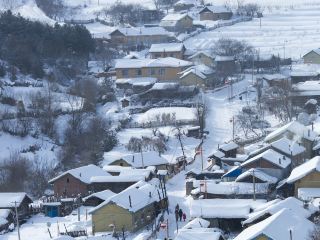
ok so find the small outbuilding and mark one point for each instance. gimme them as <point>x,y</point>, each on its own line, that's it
<point>214,13</point>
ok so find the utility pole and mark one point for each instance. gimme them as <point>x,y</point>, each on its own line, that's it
<point>201,152</point>
<point>141,157</point>
<point>254,185</point>
<point>233,124</point>
<point>17,218</point>
<point>167,228</point>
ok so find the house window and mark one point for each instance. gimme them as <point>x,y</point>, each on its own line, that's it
<point>152,72</point>
<point>171,55</point>
<point>162,71</point>
<point>138,72</point>
<point>125,72</point>
<point>68,180</point>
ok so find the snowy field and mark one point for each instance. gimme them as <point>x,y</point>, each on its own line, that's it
<point>287,32</point>
<point>183,114</point>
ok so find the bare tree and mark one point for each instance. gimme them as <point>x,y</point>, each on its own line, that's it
<point>179,136</point>
<point>232,47</point>
<point>277,99</point>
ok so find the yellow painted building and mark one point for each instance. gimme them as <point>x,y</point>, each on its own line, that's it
<point>121,218</point>
<point>312,180</point>
<point>312,57</point>
<point>129,210</point>
<point>164,69</point>
<point>202,58</point>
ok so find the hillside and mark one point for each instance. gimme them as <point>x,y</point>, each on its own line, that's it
<point>286,31</point>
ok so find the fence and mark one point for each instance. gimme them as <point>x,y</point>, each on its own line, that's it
<point>218,25</point>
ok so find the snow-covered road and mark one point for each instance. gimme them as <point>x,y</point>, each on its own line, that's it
<point>220,111</point>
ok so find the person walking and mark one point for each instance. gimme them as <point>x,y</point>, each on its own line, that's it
<point>184,216</point>
<point>176,212</point>
<point>180,214</point>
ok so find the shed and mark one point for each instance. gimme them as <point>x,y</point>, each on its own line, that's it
<point>229,149</point>
<point>76,181</point>
<point>270,162</point>
<point>97,198</point>
<point>129,210</point>
<point>19,199</point>
<point>225,214</point>
<point>277,226</point>
<point>306,175</point>
<point>6,219</point>
<point>215,13</point>
<point>52,209</point>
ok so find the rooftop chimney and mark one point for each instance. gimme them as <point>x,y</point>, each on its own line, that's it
<point>279,160</point>
<point>149,194</point>
<point>308,132</point>
<point>130,201</point>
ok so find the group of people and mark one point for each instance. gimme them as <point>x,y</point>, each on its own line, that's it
<point>179,214</point>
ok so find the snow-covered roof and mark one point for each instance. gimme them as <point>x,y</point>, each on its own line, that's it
<point>224,58</point>
<point>103,195</point>
<point>271,156</point>
<point>229,146</point>
<point>304,169</point>
<point>316,50</point>
<point>198,233</point>
<point>143,63</point>
<point>145,31</point>
<point>116,168</point>
<point>288,147</point>
<point>186,2</point>
<point>166,47</point>
<point>137,172</point>
<point>217,154</point>
<point>4,213</point>
<point>303,74</point>
<point>216,9</point>
<point>141,195</point>
<point>145,159</point>
<point>174,17</point>
<point>278,225</point>
<point>308,194</point>
<point>8,199</point>
<point>223,208</point>
<point>209,55</point>
<point>165,85</point>
<point>230,188</point>
<point>273,77</point>
<point>115,179</point>
<point>84,173</point>
<point>296,128</point>
<point>195,72</point>
<point>290,203</point>
<point>51,204</point>
<point>257,174</point>
<point>307,86</point>
<point>141,81</point>
<point>199,70</point>
<point>197,223</point>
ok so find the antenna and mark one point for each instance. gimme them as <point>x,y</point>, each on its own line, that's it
<point>130,201</point>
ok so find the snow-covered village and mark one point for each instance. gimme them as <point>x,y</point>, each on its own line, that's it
<point>160,119</point>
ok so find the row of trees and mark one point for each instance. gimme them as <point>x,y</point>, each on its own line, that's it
<point>30,45</point>
<point>20,174</point>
